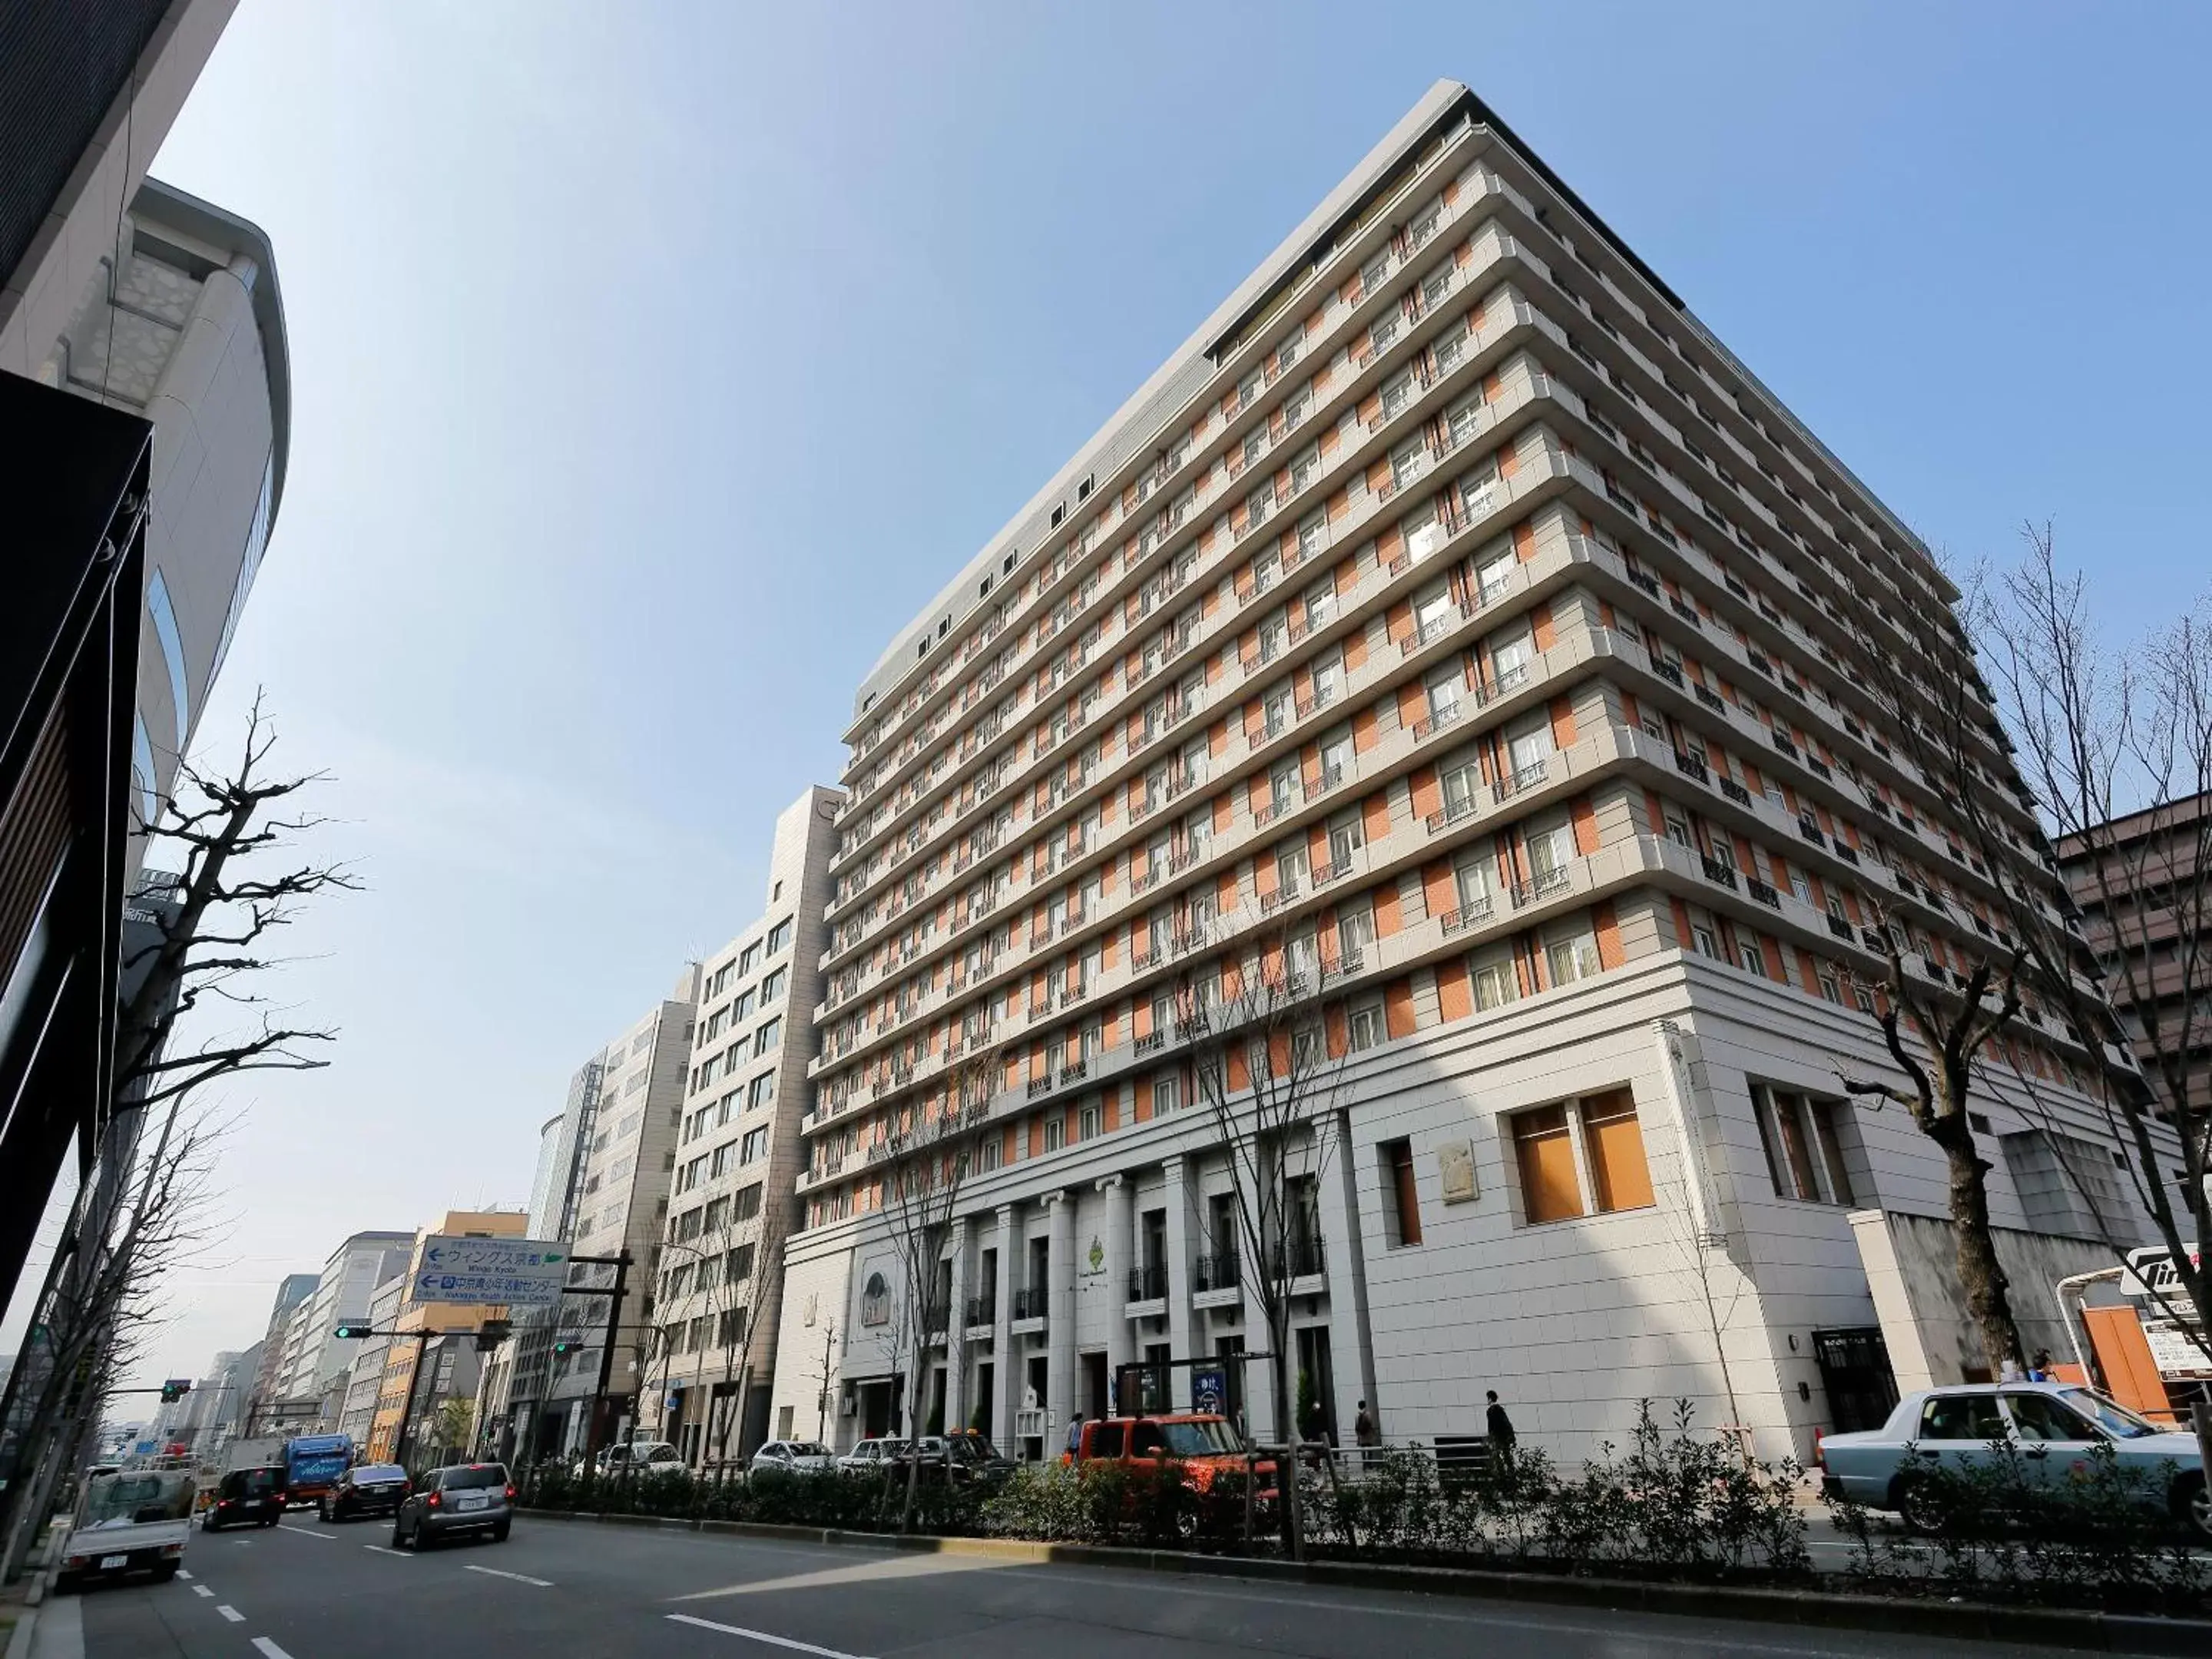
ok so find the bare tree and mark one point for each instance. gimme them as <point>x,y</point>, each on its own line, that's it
<point>1935,1038</point>
<point>211,928</point>
<point>928,1155</point>
<point>208,954</point>
<point>96,1315</point>
<point>2099,738</point>
<point>1268,1065</point>
<point>2116,749</point>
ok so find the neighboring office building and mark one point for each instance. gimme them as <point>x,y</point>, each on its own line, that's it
<point>400,1404</point>
<point>1454,614</point>
<point>365,1382</point>
<point>716,1305</point>
<point>292,1292</point>
<point>86,98</point>
<point>617,1141</point>
<point>2155,865</point>
<point>318,1358</point>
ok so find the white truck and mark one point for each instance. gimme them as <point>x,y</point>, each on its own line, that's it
<point>131,1521</point>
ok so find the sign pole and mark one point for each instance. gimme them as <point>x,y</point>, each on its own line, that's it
<point>407,1412</point>
<point>591,1439</point>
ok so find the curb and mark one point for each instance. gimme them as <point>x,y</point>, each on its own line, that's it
<point>2102,1632</point>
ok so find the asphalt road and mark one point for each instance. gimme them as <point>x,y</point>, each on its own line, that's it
<point>564,1590</point>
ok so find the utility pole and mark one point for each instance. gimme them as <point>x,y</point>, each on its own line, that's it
<point>407,1412</point>
<point>621,1264</point>
<point>822,1398</point>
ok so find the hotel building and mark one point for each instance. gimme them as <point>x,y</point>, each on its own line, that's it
<point>1455,613</point>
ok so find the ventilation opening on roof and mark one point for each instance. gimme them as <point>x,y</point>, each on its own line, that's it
<point>1058,513</point>
<point>1083,489</point>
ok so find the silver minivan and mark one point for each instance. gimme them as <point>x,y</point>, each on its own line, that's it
<point>450,1503</point>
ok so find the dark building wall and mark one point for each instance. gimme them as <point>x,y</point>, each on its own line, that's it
<point>63,63</point>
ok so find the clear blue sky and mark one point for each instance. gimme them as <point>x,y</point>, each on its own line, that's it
<point>653,364</point>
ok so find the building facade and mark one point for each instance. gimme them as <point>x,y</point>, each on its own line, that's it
<point>319,1362</point>
<point>717,1295</point>
<point>606,1176</point>
<point>86,98</point>
<point>291,1291</point>
<point>365,1380</point>
<point>1455,635</point>
<point>2140,882</point>
<point>431,1355</point>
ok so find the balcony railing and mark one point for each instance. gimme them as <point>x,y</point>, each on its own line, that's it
<point>1216,1272</point>
<point>1148,1283</point>
<point>1031,1304</point>
<point>982,1309</point>
<point>1299,1257</point>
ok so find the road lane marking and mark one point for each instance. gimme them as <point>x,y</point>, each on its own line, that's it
<point>269,1648</point>
<point>761,1636</point>
<point>230,1613</point>
<point>202,1589</point>
<point>519,1577</point>
<point>182,1574</point>
<point>306,1532</point>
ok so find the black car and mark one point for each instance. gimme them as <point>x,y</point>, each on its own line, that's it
<point>366,1489</point>
<point>246,1498</point>
<point>466,1498</point>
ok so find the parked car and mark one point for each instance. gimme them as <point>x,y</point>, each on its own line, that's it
<point>246,1498</point>
<point>1204,1444</point>
<point>132,1521</point>
<point>872,1454</point>
<point>973,1457</point>
<point>452,1502</point>
<point>793,1457</point>
<point>2052,1427</point>
<point>365,1489</point>
<point>639,1455</point>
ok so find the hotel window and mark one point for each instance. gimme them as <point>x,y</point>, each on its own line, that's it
<point>1167,1093</point>
<point>778,937</point>
<point>1494,981</point>
<point>754,1146</point>
<point>1055,1132</point>
<point>1581,1157</point>
<point>772,986</point>
<point>1402,1192</point>
<point>763,1090</point>
<point>1544,1153</point>
<point>1461,778</point>
<point>1364,1027</point>
<point>769,1037</point>
<point>1509,660</point>
<point>1571,955</point>
<point>1355,928</point>
<point>1528,750</point>
<point>1750,958</point>
<point>1089,1119</point>
<point>1802,1137</point>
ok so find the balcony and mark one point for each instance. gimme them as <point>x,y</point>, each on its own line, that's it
<point>1030,1305</point>
<point>1149,1284</point>
<point>981,1310</point>
<point>1300,1257</point>
<point>1718,870</point>
<point>1219,1271</point>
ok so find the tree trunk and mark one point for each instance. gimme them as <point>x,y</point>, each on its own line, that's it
<point>1979,1274</point>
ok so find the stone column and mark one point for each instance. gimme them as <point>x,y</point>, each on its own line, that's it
<point>956,1333</point>
<point>1181,1325</point>
<point>1121,1227</point>
<point>1005,1385</point>
<point>1060,1401</point>
<point>1350,1343</point>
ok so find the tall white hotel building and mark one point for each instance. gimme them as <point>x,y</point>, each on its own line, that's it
<point>1453,600</point>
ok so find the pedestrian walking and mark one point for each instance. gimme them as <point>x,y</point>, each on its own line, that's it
<point>1500,1427</point>
<point>1363,1432</point>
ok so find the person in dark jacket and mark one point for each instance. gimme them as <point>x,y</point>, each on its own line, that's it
<point>1500,1428</point>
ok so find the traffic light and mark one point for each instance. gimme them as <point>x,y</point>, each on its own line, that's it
<point>566,1345</point>
<point>492,1333</point>
<point>175,1389</point>
<point>348,1329</point>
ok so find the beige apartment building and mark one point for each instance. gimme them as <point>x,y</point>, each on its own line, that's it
<point>1454,618</point>
<point>717,1296</point>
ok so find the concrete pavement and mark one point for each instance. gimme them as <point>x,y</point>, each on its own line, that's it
<point>565,1591</point>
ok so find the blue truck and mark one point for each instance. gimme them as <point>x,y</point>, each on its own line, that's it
<point>312,1464</point>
